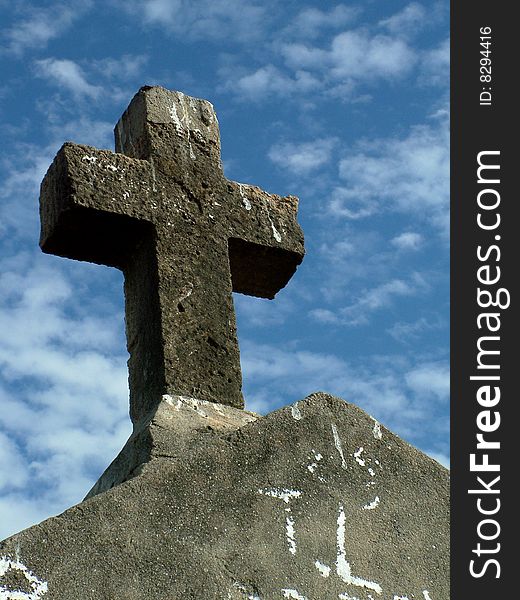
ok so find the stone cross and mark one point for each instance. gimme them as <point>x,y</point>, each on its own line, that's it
<point>185,237</point>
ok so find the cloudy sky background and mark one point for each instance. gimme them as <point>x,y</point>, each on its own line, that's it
<point>344,105</point>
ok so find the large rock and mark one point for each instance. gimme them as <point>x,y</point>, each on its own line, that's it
<point>313,501</point>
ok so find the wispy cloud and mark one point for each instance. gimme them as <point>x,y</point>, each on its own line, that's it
<point>409,332</point>
<point>431,380</point>
<point>397,174</point>
<point>62,371</point>
<point>40,25</point>
<point>410,20</point>
<point>267,81</point>
<point>69,75</point>
<point>409,240</point>
<point>435,65</point>
<point>310,22</point>
<point>370,300</point>
<point>207,19</point>
<point>302,158</point>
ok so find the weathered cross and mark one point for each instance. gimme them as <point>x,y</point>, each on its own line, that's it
<point>185,237</point>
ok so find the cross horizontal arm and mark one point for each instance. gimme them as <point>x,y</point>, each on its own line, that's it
<point>265,241</point>
<point>91,205</point>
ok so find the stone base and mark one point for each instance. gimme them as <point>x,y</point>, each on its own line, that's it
<point>311,502</point>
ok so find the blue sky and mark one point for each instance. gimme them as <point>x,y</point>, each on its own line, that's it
<point>344,105</point>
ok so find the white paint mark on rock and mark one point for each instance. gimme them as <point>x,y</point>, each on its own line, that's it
<point>371,505</point>
<point>112,168</point>
<point>296,412</point>
<point>289,529</point>
<point>191,403</point>
<point>39,587</point>
<point>343,568</point>
<point>175,118</point>
<point>371,471</point>
<point>323,569</point>
<point>245,199</point>
<point>91,159</point>
<point>276,233</point>
<point>313,466</point>
<point>283,494</point>
<point>154,178</point>
<point>401,598</point>
<point>357,455</point>
<point>337,443</point>
<point>426,595</point>
<point>347,597</point>
<point>290,593</point>
<point>377,433</point>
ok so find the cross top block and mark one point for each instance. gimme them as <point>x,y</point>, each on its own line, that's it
<point>185,237</point>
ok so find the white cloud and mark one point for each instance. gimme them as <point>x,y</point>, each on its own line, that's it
<point>44,24</point>
<point>125,67</point>
<point>406,332</point>
<point>68,74</point>
<point>376,298</point>
<point>310,22</point>
<point>435,65</point>
<point>371,300</point>
<point>408,240</point>
<point>362,56</point>
<point>302,158</point>
<point>408,174</point>
<point>63,391</point>
<point>431,379</point>
<point>270,81</point>
<point>410,20</point>
<point>354,54</point>
<point>205,19</point>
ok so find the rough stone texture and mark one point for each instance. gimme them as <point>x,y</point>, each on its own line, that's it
<point>185,237</point>
<point>315,501</point>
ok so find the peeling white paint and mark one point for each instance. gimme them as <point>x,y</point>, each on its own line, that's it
<point>371,471</point>
<point>426,595</point>
<point>357,455</point>
<point>276,233</point>
<point>337,443</point>
<point>323,569</point>
<point>289,528</point>
<point>317,456</point>
<point>111,168</point>
<point>245,199</point>
<point>401,598</point>
<point>376,432</point>
<point>371,505</point>
<point>343,568</point>
<point>91,159</point>
<point>191,403</point>
<point>175,118</point>
<point>182,122</point>
<point>347,597</point>
<point>283,494</point>
<point>154,180</point>
<point>296,412</point>
<point>290,593</point>
<point>39,587</point>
